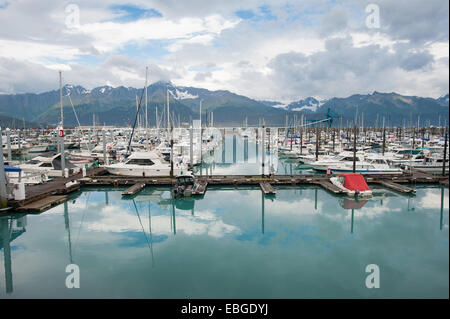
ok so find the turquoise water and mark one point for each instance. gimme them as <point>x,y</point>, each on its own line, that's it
<point>232,243</point>
<point>238,155</point>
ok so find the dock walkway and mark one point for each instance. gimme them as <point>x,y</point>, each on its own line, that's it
<point>98,177</point>
<point>267,188</point>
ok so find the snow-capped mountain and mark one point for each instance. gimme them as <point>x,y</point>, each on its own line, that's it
<point>443,100</point>
<point>308,104</point>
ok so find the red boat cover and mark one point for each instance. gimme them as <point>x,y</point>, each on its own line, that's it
<point>355,182</point>
<point>352,204</point>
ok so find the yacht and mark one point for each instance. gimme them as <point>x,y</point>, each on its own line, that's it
<point>145,164</point>
<point>343,157</point>
<point>50,165</point>
<point>428,164</point>
<point>371,165</point>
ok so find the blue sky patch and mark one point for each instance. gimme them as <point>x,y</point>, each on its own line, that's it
<point>129,13</point>
<point>245,14</point>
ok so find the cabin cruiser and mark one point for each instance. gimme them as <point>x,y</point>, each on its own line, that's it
<point>343,157</point>
<point>146,164</point>
<point>371,165</point>
<point>16,175</point>
<point>50,165</point>
<point>428,164</point>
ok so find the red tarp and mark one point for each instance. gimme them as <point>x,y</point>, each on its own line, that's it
<point>355,182</point>
<point>352,204</point>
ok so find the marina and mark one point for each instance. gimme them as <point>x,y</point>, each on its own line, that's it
<point>217,154</point>
<point>252,151</point>
<point>244,209</point>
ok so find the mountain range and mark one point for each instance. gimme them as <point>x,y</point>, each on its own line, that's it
<point>117,106</point>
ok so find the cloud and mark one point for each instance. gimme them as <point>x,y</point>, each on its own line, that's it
<point>334,21</point>
<point>293,50</point>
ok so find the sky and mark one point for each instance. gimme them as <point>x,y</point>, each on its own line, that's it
<point>267,50</point>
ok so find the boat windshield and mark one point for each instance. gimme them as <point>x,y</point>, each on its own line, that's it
<point>140,161</point>
<point>32,162</point>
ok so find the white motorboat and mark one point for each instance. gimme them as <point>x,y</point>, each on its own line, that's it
<point>372,165</point>
<point>352,184</point>
<point>343,157</point>
<point>16,175</point>
<point>50,165</point>
<point>146,164</point>
<point>428,164</point>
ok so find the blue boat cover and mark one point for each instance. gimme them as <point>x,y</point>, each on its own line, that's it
<point>9,168</point>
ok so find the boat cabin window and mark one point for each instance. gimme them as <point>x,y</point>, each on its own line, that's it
<point>140,161</point>
<point>46,165</point>
<point>32,162</point>
<point>379,161</point>
<point>350,158</point>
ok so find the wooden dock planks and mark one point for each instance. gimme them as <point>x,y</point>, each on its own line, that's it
<point>396,187</point>
<point>199,188</point>
<point>267,188</point>
<point>326,184</point>
<point>133,189</point>
<point>42,204</point>
<point>97,177</point>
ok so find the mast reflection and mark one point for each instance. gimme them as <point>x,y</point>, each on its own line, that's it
<point>8,233</point>
<point>352,204</point>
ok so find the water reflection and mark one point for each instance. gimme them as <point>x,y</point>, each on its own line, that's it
<point>11,228</point>
<point>244,155</point>
<point>302,231</point>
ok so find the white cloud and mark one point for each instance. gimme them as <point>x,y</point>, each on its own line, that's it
<point>245,52</point>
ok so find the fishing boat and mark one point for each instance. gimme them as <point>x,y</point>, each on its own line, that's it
<point>352,184</point>
<point>145,164</point>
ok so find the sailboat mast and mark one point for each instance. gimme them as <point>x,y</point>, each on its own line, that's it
<point>60,98</point>
<point>200,113</point>
<point>168,110</point>
<point>146,100</point>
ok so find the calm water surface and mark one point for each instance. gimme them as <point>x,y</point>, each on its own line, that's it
<point>232,243</point>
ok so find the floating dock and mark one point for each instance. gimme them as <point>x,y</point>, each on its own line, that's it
<point>267,188</point>
<point>42,204</point>
<point>97,177</point>
<point>330,187</point>
<point>199,188</point>
<point>133,190</point>
<point>394,186</point>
